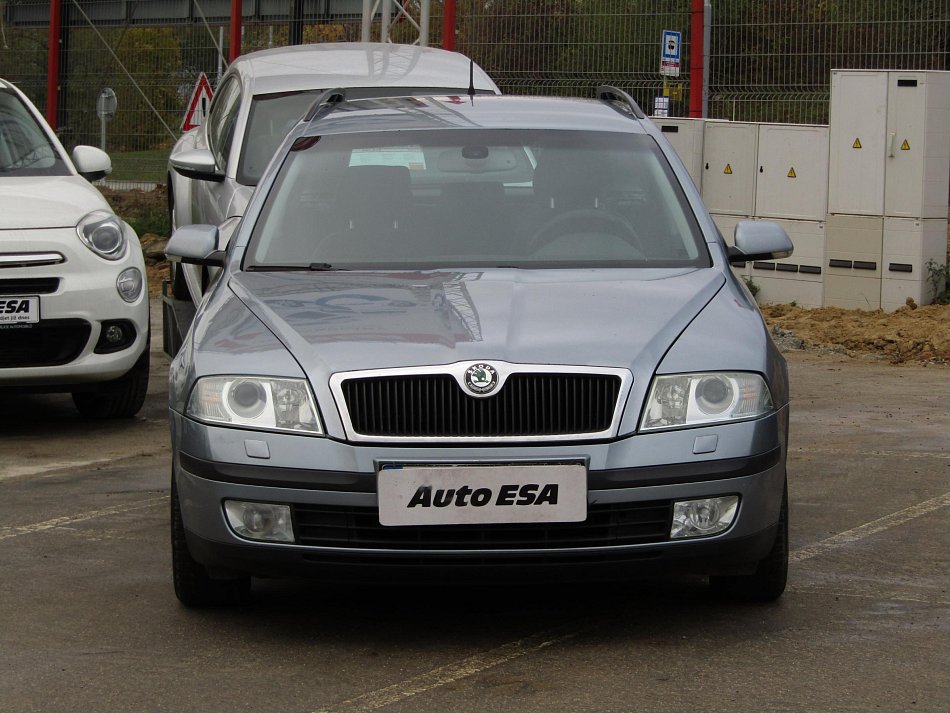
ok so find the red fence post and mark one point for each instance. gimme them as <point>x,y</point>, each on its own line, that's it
<point>448,25</point>
<point>236,18</point>
<point>696,59</point>
<point>52,73</point>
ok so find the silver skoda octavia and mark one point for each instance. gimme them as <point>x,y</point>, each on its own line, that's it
<point>480,336</point>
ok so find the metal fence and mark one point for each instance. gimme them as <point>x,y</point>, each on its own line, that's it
<point>769,60</point>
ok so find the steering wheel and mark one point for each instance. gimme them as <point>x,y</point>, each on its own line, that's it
<point>584,220</point>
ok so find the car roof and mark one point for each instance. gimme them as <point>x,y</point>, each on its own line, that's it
<point>356,64</point>
<point>480,112</point>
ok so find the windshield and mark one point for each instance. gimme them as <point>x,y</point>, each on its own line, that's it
<point>465,198</point>
<point>25,149</point>
<point>271,118</point>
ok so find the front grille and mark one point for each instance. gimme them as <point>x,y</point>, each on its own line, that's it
<point>606,525</point>
<point>48,343</point>
<point>29,286</point>
<point>434,405</point>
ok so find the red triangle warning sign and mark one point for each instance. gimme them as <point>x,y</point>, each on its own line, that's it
<point>198,104</point>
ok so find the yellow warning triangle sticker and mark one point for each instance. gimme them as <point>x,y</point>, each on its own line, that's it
<point>791,172</point>
<point>728,170</point>
<point>856,144</point>
<point>905,146</point>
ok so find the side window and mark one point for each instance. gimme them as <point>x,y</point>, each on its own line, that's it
<point>222,119</point>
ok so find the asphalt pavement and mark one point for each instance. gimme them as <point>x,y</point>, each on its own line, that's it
<point>89,620</point>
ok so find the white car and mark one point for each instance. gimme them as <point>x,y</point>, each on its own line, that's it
<point>74,314</point>
<point>214,168</point>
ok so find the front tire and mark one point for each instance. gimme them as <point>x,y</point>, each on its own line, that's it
<point>768,581</point>
<point>120,398</point>
<point>193,586</point>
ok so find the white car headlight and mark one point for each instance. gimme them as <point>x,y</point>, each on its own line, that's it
<point>255,402</point>
<point>101,232</point>
<point>703,398</point>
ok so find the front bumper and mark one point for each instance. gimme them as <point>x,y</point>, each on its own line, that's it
<point>629,482</point>
<point>77,296</point>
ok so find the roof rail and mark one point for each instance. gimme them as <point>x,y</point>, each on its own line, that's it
<point>607,93</point>
<point>325,103</point>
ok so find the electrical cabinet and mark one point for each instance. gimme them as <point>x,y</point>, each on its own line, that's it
<point>853,254</point>
<point>909,245</point>
<point>792,172</point>
<point>917,166</point>
<point>797,278</point>
<point>890,143</point>
<point>686,137</point>
<point>729,166</point>
<point>857,137</point>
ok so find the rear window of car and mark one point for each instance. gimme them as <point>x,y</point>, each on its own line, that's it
<point>470,198</point>
<point>25,148</point>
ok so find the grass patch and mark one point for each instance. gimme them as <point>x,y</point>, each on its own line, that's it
<point>145,166</point>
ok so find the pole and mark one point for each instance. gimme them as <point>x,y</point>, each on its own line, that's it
<point>696,31</point>
<point>236,18</point>
<point>448,25</point>
<point>295,32</point>
<point>387,15</point>
<point>367,21</point>
<point>52,67</point>
<point>424,24</point>
<point>707,44</point>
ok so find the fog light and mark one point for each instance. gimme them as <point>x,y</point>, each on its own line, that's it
<point>129,284</point>
<point>698,518</point>
<point>260,521</point>
<point>114,335</point>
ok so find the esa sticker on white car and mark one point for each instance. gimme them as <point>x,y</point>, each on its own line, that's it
<point>19,310</point>
<point>462,495</point>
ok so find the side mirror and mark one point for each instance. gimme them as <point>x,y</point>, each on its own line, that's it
<point>759,240</point>
<point>198,164</point>
<point>91,163</point>
<point>195,245</point>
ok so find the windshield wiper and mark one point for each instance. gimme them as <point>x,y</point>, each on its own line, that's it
<point>323,267</point>
<point>312,267</point>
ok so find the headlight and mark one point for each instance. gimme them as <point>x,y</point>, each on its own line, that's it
<point>102,232</point>
<point>255,402</point>
<point>699,399</point>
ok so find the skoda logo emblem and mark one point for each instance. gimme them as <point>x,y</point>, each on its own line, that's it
<point>481,378</point>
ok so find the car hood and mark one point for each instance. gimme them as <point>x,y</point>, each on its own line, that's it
<point>345,321</point>
<point>46,201</point>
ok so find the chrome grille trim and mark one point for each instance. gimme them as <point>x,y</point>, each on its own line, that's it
<point>457,372</point>
<point>30,259</point>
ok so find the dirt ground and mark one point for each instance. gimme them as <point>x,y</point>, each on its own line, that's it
<point>908,335</point>
<point>911,335</point>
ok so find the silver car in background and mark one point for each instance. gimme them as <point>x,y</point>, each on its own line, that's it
<point>482,338</point>
<point>212,169</point>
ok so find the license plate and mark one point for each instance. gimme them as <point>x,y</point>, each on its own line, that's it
<point>464,495</point>
<point>19,310</point>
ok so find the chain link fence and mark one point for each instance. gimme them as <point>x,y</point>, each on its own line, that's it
<point>769,61</point>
